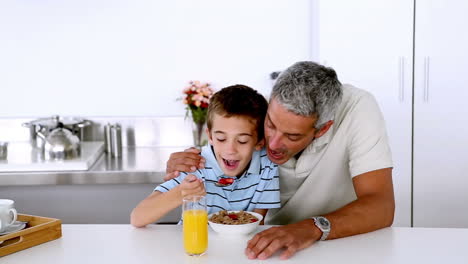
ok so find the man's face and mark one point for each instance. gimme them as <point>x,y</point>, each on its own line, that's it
<point>287,133</point>
<point>234,139</point>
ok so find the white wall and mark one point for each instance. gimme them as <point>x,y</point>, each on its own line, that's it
<point>133,57</point>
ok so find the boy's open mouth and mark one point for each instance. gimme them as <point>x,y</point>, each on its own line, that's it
<point>231,164</point>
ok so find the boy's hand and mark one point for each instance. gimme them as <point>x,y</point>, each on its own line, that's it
<point>192,185</point>
<point>188,161</point>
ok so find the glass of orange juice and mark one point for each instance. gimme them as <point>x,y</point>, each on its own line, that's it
<point>195,225</point>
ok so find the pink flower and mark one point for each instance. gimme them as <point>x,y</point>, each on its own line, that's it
<point>197,97</point>
<point>207,92</point>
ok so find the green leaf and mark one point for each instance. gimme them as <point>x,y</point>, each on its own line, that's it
<point>198,114</point>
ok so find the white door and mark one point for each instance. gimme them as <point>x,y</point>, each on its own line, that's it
<point>441,114</point>
<point>369,44</point>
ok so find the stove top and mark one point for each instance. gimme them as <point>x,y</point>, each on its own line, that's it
<point>23,157</point>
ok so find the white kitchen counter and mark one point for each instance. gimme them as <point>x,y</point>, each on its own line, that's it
<point>163,244</point>
<point>138,165</point>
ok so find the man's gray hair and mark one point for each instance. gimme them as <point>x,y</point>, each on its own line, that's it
<point>308,88</point>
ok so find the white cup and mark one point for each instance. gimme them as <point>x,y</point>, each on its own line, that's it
<point>8,213</point>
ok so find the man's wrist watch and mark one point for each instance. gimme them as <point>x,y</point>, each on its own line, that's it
<point>324,225</point>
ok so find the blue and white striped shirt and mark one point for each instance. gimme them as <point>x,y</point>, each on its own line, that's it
<point>258,188</point>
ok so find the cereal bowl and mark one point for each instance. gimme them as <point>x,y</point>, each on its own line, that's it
<point>234,229</point>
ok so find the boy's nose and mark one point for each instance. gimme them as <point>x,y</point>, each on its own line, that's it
<point>231,148</point>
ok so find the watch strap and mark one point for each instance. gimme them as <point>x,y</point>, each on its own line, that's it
<point>325,232</point>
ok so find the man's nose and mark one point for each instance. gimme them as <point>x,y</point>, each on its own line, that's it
<point>274,141</point>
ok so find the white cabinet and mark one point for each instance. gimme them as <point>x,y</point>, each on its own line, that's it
<point>441,114</point>
<point>371,44</point>
<point>372,50</point>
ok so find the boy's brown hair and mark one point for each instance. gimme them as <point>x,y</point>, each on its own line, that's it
<point>239,100</point>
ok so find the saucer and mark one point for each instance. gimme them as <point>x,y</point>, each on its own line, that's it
<point>16,226</point>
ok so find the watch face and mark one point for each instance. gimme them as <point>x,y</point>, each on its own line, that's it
<point>324,222</point>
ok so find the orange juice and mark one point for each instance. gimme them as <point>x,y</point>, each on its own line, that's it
<point>195,231</point>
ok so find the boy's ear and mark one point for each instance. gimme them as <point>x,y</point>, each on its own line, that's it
<point>260,144</point>
<point>210,140</point>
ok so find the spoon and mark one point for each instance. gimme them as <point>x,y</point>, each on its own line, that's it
<point>223,182</point>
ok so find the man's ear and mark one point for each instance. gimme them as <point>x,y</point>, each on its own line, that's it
<point>324,129</point>
<point>260,144</point>
<point>210,139</point>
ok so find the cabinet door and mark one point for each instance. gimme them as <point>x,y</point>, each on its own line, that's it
<point>369,44</point>
<point>440,114</point>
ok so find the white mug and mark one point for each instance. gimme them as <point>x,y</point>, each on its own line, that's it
<point>8,213</point>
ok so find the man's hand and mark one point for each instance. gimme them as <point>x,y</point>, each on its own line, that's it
<point>292,238</point>
<point>187,161</point>
<point>191,186</point>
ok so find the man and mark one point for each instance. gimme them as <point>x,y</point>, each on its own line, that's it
<point>335,162</point>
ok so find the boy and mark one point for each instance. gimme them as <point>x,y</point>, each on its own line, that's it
<point>238,174</point>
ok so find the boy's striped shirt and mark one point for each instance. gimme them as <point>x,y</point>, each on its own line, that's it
<point>257,188</point>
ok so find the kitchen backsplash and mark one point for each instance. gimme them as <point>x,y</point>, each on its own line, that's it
<point>136,131</point>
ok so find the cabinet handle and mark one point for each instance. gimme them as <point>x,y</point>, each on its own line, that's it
<point>401,79</point>
<point>426,79</point>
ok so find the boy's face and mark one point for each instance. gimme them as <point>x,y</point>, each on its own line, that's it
<point>234,139</point>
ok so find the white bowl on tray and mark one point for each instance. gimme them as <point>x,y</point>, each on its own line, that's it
<point>241,229</point>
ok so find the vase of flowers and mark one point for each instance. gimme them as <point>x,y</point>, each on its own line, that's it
<point>197,98</point>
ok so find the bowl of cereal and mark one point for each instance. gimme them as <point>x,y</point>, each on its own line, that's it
<point>234,222</point>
